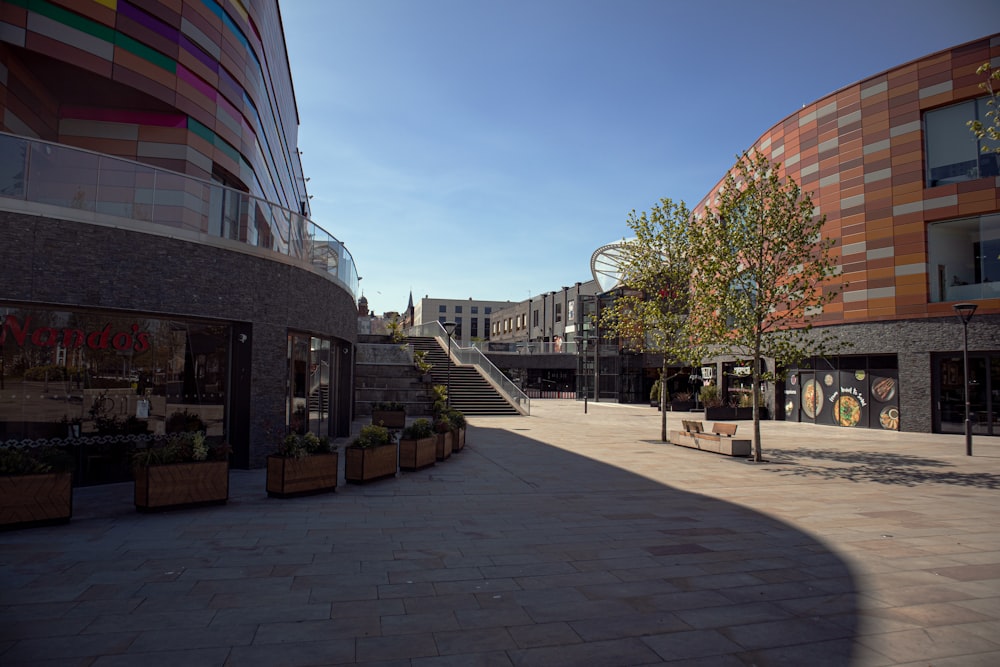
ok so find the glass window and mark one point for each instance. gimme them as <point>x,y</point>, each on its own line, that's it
<point>442,308</point>
<point>109,382</point>
<point>442,320</point>
<point>458,327</point>
<point>964,258</point>
<point>953,153</point>
<point>558,312</point>
<point>458,309</point>
<point>486,325</point>
<point>474,327</point>
<point>475,310</point>
<point>488,310</point>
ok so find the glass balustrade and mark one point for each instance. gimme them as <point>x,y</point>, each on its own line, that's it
<point>89,184</point>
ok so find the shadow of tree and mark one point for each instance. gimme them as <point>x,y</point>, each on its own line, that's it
<point>879,467</point>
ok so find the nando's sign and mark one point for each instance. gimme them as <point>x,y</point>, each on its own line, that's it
<point>71,338</point>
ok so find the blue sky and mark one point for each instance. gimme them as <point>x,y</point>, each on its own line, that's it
<point>485,148</point>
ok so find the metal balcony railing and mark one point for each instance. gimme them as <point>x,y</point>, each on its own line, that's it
<point>103,189</point>
<point>471,355</point>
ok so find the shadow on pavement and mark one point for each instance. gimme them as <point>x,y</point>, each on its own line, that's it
<point>511,552</point>
<point>879,467</point>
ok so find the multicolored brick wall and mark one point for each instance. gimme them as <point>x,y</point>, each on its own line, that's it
<point>860,152</point>
<point>197,86</point>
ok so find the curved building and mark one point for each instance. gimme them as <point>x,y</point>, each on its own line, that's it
<point>159,258</point>
<point>914,204</point>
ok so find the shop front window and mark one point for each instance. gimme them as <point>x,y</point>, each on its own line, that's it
<point>104,383</point>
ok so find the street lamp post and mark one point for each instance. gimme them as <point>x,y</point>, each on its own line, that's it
<point>965,311</point>
<point>449,328</point>
<point>581,347</point>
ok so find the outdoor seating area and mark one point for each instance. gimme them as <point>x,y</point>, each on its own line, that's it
<point>721,439</point>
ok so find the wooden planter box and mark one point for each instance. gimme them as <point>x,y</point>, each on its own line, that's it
<point>681,406</point>
<point>31,500</point>
<point>416,454</point>
<point>458,439</point>
<point>290,477</point>
<point>444,446</point>
<point>161,487</point>
<point>368,463</point>
<point>389,418</point>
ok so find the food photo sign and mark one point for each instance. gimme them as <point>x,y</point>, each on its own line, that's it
<point>852,398</point>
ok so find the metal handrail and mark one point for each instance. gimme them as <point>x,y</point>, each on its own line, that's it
<point>104,189</point>
<point>472,356</point>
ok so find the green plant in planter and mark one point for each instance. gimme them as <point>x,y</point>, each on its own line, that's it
<point>182,448</point>
<point>372,435</point>
<point>710,395</point>
<point>420,361</point>
<point>456,418</point>
<point>419,429</point>
<point>296,446</point>
<point>654,392</point>
<point>439,395</point>
<point>442,424</point>
<point>34,460</point>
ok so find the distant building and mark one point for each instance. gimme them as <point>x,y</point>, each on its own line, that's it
<point>473,318</point>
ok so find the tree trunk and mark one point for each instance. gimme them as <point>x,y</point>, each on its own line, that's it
<point>663,400</point>
<point>757,455</point>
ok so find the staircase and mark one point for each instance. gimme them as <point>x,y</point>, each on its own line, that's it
<point>470,392</point>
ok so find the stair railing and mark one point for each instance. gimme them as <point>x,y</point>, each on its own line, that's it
<point>472,356</point>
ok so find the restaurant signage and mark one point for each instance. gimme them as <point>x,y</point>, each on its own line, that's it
<point>22,333</point>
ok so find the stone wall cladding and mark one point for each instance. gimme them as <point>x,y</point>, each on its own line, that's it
<point>914,341</point>
<point>63,263</point>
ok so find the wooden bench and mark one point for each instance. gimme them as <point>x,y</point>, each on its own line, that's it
<point>720,440</point>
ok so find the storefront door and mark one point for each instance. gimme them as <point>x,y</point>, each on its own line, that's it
<point>984,394</point>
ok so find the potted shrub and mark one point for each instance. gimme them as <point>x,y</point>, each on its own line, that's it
<point>424,366</point>
<point>390,414</point>
<point>372,455</point>
<point>442,427</point>
<point>682,401</point>
<point>417,445</point>
<point>184,471</point>
<point>458,426</point>
<point>654,395</point>
<point>36,486</point>
<point>303,465</point>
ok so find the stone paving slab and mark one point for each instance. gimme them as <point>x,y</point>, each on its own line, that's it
<point>562,538</point>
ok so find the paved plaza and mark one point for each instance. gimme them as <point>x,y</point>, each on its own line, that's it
<point>562,538</point>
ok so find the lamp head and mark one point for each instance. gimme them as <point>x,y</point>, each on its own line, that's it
<point>449,328</point>
<point>965,311</point>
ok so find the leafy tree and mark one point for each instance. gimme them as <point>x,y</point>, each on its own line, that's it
<point>764,270</point>
<point>991,128</point>
<point>650,314</point>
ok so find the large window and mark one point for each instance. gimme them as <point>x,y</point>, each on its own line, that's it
<point>953,153</point>
<point>964,258</point>
<point>103,383</point>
